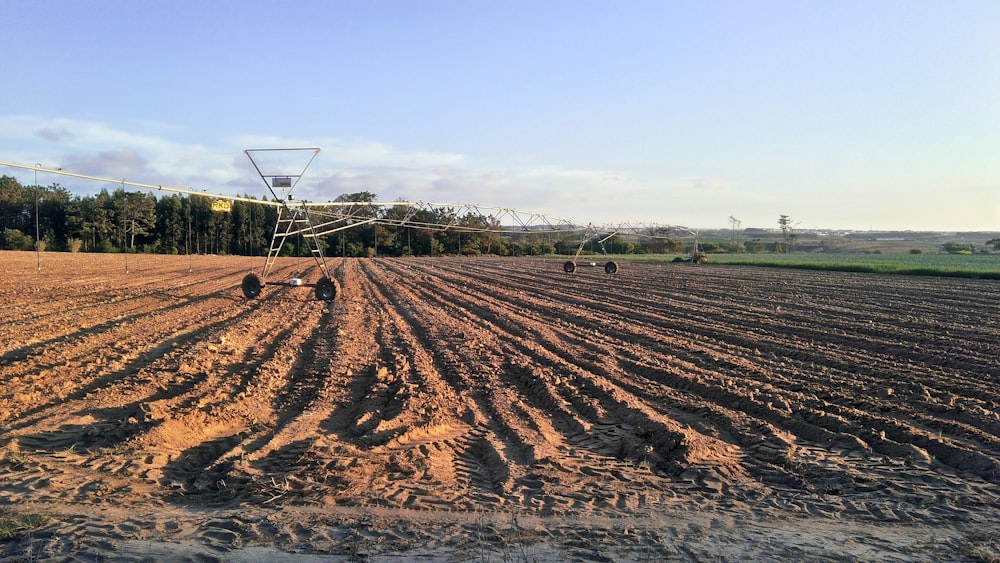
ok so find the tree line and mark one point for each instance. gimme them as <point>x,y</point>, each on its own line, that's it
<point>117,220</point>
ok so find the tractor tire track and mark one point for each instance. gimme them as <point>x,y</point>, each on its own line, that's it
<point>470,384</point>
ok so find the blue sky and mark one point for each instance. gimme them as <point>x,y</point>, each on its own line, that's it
<point>871,114</point>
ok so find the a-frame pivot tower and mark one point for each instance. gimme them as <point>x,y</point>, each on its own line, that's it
<point>281,170</point>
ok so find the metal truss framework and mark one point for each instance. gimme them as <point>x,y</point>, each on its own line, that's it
<point>312,220</point>
<point>292,221</point>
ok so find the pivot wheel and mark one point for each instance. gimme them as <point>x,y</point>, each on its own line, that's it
<point>569,267</point>
<point>611,267</point>
<point>251,286</point>
<point>325,289</point>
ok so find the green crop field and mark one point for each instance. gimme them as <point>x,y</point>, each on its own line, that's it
<point>985,266</point>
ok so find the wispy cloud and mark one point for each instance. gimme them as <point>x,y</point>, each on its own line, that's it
<point>54,134</point>
<point>708,184</point>
<point>343,166</point>
<point>120,163</point>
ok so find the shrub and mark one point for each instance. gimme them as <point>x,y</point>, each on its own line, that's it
<point>957,248</point>
<point>13,239</point>
<point>74,244</point>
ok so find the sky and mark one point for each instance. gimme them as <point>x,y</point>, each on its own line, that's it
<point>842,114</point>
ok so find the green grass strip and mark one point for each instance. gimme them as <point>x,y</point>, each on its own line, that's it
<point>976,266</point>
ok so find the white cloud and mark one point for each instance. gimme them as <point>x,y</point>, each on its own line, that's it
<point>597,195</point>
<point>102,150</point>
<point>55,134</point>
<point>120,163</point>
<point>708,184</point>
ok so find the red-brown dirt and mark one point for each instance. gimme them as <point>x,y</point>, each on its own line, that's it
<point>469,409</point>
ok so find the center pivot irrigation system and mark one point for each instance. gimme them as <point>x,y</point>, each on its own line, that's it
<point>312,220</point>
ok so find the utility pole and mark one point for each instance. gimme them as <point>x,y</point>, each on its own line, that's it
<point>38,231</point>
<point>736,225</point>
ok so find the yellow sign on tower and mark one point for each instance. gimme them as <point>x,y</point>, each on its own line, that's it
<point>223,205</point>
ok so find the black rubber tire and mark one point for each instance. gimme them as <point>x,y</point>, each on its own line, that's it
<point>326,290</point>
<point>611,267</point>
<point>251,286</point>
<point>569,267</point>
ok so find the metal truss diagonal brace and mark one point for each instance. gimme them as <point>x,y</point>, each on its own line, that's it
<point>292,222</point>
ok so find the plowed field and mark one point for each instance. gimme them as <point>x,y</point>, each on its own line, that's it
<point>495,409</point>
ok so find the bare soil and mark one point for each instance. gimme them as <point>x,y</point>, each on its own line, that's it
<point>477,409</point>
